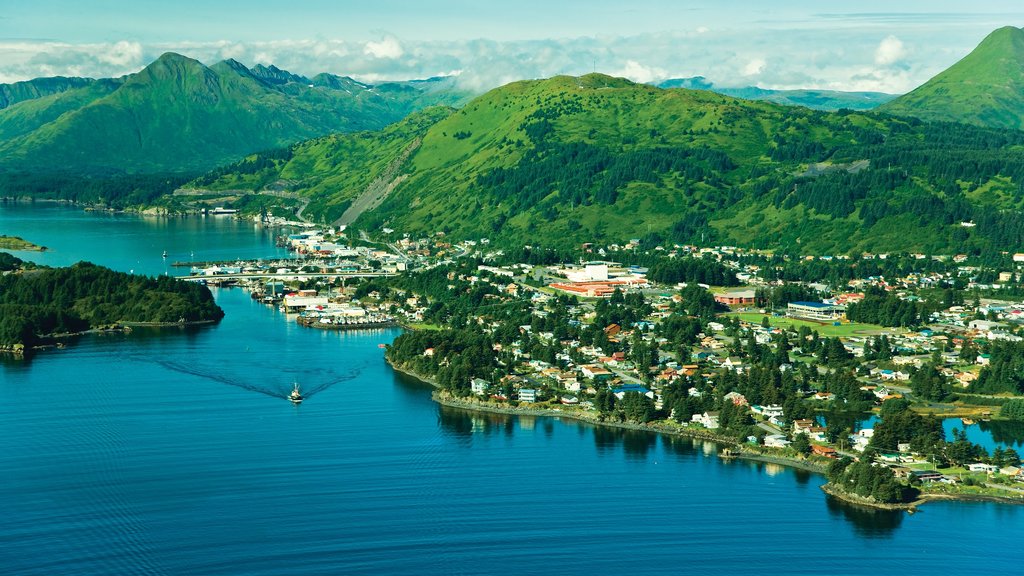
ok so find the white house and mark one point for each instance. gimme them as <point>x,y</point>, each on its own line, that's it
<point>708,420</point>
<point>776,441</point>
<point>981,467</point>
<point>478,386</point>
<point>527,395</point>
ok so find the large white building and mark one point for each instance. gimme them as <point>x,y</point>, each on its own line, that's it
<point>815,311</point>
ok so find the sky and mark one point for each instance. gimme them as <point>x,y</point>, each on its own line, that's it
<point>868,45</point>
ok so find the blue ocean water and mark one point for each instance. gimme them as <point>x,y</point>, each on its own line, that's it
<point>168,452</point>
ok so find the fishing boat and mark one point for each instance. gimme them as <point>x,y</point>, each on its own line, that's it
<point>295,397</point>
<point>165,253</point>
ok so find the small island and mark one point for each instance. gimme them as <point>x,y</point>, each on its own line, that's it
<point>41,306</point>
<point>16,243</point>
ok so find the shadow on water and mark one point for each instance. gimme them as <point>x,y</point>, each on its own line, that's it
<point>1006,432</point>
<point>868,522</point>
<point>464,424</point>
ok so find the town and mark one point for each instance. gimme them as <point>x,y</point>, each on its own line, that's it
<point>833,361</point>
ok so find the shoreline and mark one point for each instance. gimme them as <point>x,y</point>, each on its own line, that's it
<point>57,340</point>
<point>445,399</point>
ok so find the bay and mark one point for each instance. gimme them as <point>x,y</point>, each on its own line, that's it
<point>167,452</point>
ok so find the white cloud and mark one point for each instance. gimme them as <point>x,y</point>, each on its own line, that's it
<point>637,72</point>
<point>889,51</point>
<point>122,54</point>
<point>754,67</point>
<point>388,47</point>
<point>839,59</point>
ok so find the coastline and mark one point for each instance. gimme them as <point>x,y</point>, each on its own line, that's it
<point>57,340</point>
<point>18,244</point>
<point>736,449</point>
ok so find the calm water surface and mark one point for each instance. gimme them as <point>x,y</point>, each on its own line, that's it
<point>166,452</point>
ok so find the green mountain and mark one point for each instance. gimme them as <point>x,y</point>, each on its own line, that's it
<point>30,89</point>
<point>985,88</point>
<point>599,159</point>
<point>179,115</point>
<point>814,99</point>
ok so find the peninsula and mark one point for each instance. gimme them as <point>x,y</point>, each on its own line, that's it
<point>769,355</point>
<point>16,243</point>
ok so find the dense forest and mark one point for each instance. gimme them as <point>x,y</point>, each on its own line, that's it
<point>38,303</point>
<point>113,190</point>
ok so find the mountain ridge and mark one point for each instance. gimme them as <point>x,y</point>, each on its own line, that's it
<point>985,87</point>
<point>567,160</point>
<point>178,114</point>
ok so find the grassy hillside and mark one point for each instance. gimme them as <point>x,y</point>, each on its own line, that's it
<point>600,159</point>
<point>331,170</point>
<point>178,115</point>
<point>986,88</point>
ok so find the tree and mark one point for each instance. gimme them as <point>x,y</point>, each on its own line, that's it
<point>801,443</point>
<point>1013,409</point>
<point>637,407</point>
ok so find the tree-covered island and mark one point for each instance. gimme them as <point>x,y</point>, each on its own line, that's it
<point>37,304</point>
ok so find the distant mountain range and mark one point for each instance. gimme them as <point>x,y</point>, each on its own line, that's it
<point>985,88</point>
<point>179,115</point>
<point>599,159</point>
<point>814,99</point>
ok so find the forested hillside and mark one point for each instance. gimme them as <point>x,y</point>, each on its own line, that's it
<point>598,159</point>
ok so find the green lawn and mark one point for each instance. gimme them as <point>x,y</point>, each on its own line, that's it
<point>844,330</point>
<point>424,326</point>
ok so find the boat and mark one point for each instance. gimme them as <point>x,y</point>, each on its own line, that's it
<point>165,253</point>
<point>967,421</point>
<point>295,397</point>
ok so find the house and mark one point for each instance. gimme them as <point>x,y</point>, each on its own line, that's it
<point>826,451</point>
<point>824,396</point>
<point>776,441</point>
<point>527,395</point>
<point>927,475</point>
<point>596,372</point>
<point>478,386</point>
<point>803,426</point>
<point>736,398</point>
<point>769,411</point>
<point>708,420</point>
<point>982,467</point>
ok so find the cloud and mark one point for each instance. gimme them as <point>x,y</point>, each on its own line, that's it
<point>754,67</point>
<point>841,58</point>
<point>637,72</point>
<point>389,47</point>
<point>889,51</point>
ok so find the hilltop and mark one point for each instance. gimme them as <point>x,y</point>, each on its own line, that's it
<point>178,115</point>
<point>985,88</point>
<point>601,159</point>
